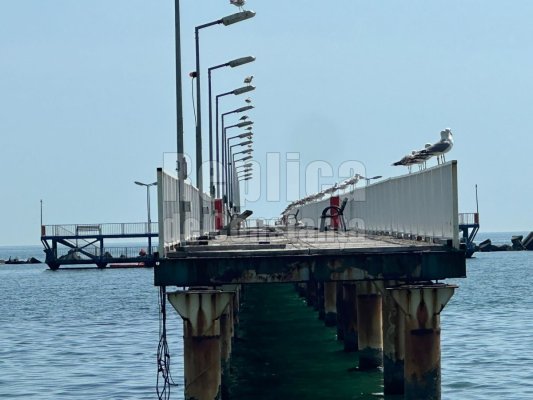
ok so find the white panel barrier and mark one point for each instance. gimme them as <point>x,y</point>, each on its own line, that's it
<point>169,218</point>
<point>422,205</point>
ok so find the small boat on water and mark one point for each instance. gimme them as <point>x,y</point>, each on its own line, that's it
<point>16,260</point>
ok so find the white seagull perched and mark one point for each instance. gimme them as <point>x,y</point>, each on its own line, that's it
<point>438,149</point>
<point>443,146</point>
<point>238,3</point>
<point>407,160</point>
<point>248,79</point>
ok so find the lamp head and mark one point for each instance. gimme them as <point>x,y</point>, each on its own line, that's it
<point>244,89</point>
<point>241,61</point>
<point>244,123</point>
<point>237,17</point>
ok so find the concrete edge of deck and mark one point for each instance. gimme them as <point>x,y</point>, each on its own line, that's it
<point>406,264</point>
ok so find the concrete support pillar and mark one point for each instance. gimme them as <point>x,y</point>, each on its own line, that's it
<point>201,310</point>
<point>301,289</point>
<point>349,317</point>
<point>311,297</point>
<point>227,332</point>
<point>393,321</point>
<point>226,337</point>
<point>369,327</point>
<point>422,305</point>
<point>319,306</point>
<point>235,306</point>
<point>339,306</point>
<point>330,303</point>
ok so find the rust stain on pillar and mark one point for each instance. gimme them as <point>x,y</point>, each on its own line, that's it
<point>369,327</point>
<point>201,310</point>
<point>422,305</point>
<point>202,382</point>
<point>393,341</point>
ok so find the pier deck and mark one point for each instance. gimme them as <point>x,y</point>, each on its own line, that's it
<point>260,256</point>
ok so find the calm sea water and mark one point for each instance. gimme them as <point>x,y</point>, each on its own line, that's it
<point>80,334</point>
<point>92,334</point>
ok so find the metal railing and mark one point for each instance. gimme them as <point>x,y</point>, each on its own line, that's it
<point>421,205</point>
<point>468,218</point>
<point>92,230</point>
<point>117,252</point>
<point>169,217</point>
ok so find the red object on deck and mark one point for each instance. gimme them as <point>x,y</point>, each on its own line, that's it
<point>219,217</point>
<point>334,201</point>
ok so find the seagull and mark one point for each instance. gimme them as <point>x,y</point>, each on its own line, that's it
<point>248,79</point>
<point>238,3</point>
<point>248,100</point>
<point>443,146</point>
<point>420,157</point>
<point>438,149</point>
<point>407,160</point>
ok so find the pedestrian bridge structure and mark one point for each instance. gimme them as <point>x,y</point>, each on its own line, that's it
<point>100,244</point>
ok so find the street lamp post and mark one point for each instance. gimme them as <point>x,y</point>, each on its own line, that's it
<point>181,166</point>
<point>233,63</point>
<point>238,110</point>
<point>228,20</point>
<point>225,153</point>
<point>236,92</point>
<point>370,179</point>
<point>230,171</point>
<point>148,185</point>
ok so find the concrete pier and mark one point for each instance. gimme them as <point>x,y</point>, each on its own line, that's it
<point>227,330</point>
<point>312,293</point>
<point>275,356</point>
<point>320,306</point>
<point>349,317</point>
<point>201,310</point>
<point>339,303</point>
<point>234,307</point>
<point>393,340</point>
<point>330,303</point>
<point>369,326</point>
<point>422,305</point>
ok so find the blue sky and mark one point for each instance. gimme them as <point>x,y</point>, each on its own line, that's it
<point>87,97</point>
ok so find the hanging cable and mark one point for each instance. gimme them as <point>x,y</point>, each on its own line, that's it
<point>164,378</point>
